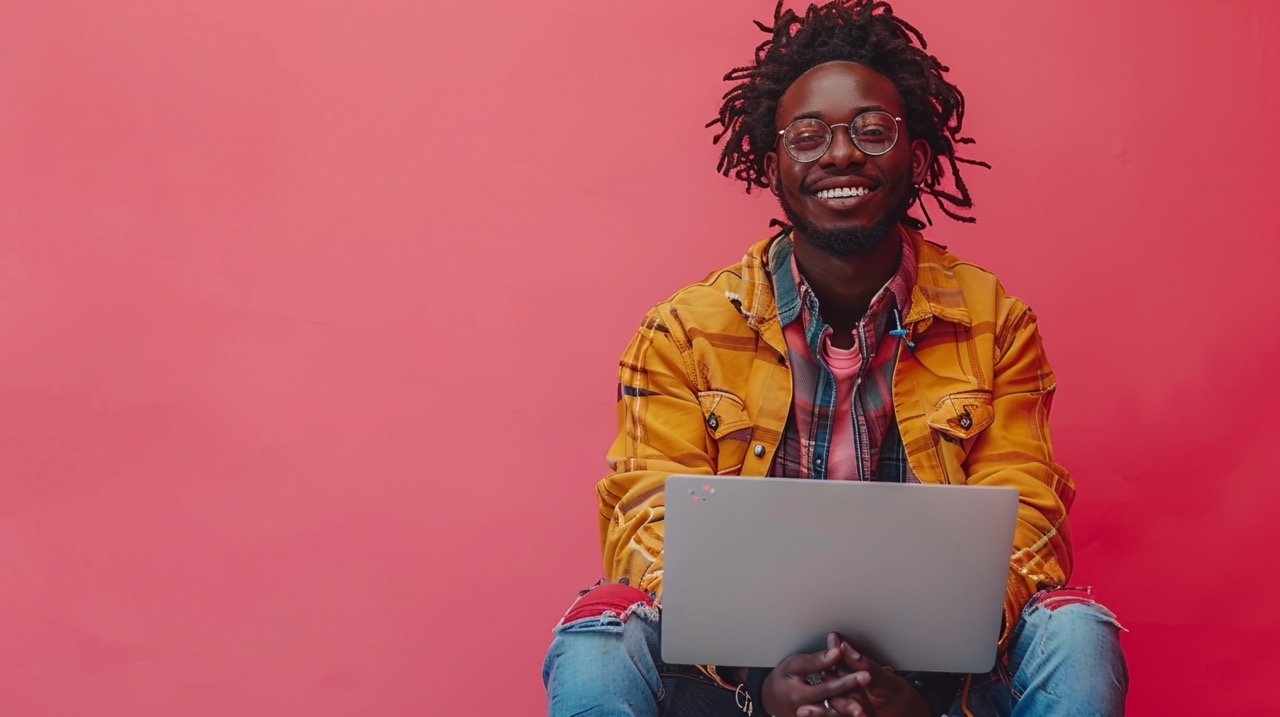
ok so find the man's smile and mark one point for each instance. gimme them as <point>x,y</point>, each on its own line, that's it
<point>843,193</point>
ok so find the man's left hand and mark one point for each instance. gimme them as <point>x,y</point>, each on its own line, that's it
<point>887,694</point>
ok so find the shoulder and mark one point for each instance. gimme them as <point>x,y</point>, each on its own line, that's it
<point>949,281</point>
<point>733,299</point>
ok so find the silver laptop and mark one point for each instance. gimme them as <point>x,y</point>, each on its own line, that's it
<point>759,568</point>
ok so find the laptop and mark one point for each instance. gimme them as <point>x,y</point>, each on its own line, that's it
<point>758,568</point>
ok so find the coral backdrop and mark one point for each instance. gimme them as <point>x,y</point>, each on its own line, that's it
<point>309,313</point>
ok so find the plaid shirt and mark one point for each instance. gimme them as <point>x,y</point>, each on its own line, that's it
<point>806,450</point>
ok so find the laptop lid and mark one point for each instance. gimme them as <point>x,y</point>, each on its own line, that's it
<point>758,568</point>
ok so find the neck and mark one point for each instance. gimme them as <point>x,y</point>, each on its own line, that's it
<point>845,285</point>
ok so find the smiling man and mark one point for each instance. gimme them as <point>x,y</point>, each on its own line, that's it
<point>839,349</point>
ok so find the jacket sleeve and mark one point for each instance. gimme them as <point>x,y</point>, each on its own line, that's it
<point>1015,451</point>
<point>661,431</point>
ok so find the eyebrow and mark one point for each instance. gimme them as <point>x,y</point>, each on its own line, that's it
<point>856,111</point>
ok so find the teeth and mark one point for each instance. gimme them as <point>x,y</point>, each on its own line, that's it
<point>841,192</point>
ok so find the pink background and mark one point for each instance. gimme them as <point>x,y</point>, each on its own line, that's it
<point>310,311</point>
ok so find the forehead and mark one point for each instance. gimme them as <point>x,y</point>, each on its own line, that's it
<point>836,92</point>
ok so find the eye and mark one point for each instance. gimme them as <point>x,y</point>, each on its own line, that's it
<point>807,135</point>
<point>808,139</point>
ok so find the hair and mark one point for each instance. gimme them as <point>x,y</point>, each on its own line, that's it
<point>868,33</point>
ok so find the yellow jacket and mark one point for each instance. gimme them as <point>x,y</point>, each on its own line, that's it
<point>971,400</point>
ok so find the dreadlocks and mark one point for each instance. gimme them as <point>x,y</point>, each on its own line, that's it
<point>862,31</point>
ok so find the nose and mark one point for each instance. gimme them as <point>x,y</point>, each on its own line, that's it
<point>842,152</point>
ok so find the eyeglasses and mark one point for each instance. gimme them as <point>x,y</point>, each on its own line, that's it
<point>874,133</point>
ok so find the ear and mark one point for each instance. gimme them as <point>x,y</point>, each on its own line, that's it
<point>921,155</point>
<point>771,171</point>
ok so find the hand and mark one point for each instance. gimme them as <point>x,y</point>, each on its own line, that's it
<point>884,693</point>
<point>786,692</point>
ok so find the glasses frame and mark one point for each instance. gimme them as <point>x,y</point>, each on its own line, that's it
<point>831,135</point>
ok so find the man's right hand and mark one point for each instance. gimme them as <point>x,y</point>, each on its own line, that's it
<point>786,692</point>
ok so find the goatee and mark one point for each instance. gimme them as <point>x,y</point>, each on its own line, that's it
<point>844,241</point>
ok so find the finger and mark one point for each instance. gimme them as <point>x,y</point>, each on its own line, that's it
<point>858,662</point>
<point>812,697</point>
<point>876,674</point>
<point>807,663</point>
<point>817,710</point>
<point>824,709</point>
<point>843,686</point>
<point>849,706</point>
<point>880,681</point>
<point>833,641</point>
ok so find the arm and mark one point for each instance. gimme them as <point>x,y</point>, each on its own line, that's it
<point>1015,451</point>
<point>661,430</point>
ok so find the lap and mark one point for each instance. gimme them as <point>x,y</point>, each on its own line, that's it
<point>1063,639</point>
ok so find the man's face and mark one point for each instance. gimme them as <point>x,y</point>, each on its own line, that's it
<point>836,93</point>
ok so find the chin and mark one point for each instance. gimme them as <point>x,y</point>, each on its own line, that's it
<point>846,240</point>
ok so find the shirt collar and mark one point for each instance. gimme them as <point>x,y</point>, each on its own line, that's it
<point>793,294</point>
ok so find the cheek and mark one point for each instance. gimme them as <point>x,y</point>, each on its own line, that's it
<point>792,179</point>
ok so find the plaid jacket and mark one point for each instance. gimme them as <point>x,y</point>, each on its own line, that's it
<point>704,388</point>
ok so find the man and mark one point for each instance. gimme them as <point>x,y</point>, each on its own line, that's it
<point>846,347</point>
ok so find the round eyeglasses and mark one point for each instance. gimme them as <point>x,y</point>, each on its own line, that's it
<point>873,133</point>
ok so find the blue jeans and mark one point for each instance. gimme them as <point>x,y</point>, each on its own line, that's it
<point>1064,658</point>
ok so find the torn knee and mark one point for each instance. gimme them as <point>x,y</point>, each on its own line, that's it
<point>1079,599</point>
<point>609,599</point>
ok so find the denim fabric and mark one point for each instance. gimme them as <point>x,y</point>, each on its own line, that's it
<point>605,666</point>
<point>1064,659</point>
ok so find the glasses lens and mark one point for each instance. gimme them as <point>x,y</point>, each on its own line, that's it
<point>874,132</point>
<point>806,139</point>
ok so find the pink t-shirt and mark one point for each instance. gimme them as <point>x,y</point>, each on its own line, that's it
<point>842,461</point>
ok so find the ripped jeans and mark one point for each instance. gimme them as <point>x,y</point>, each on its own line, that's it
<point>1064,658</point>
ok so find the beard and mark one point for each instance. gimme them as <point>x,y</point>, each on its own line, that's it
<point>845,241</point>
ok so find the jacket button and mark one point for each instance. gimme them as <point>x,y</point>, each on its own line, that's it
<point>713,422</point>
<point>966,421</point>
<point>758,450</point>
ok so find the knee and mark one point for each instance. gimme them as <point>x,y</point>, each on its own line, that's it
<point>607,599</point>
<point>609,633</point>
<point>1070,641</point>
<point>1073,626</point>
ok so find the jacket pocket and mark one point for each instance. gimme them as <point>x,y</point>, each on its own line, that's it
<point>958,419</point>
<point>728,429</point>
<point>962,415</point>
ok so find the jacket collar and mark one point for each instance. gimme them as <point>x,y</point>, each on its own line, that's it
<point>937,293</point>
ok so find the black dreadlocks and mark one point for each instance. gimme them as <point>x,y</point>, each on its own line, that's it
<point>862,31</point>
